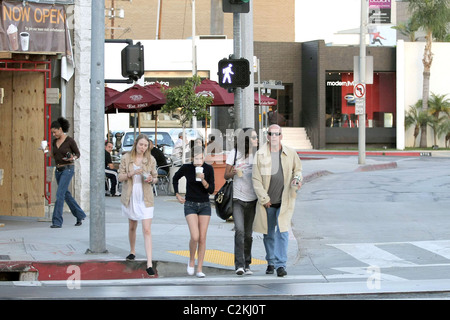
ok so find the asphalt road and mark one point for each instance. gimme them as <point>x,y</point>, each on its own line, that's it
<point>391,225</point>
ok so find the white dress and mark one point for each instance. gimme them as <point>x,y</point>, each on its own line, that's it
<point>136,209</point>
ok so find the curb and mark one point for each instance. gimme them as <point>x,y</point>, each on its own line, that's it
<point>97,270</point>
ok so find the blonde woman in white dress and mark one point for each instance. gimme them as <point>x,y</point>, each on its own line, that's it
<point>137,172</point>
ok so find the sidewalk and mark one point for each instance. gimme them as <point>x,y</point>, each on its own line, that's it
<point>31,250</point>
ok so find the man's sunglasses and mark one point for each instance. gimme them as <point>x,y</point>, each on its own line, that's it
<point>274,133</point>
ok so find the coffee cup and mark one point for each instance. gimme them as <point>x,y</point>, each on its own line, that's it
<point>44,146</point>
<point>198,171</point>
<point>24,40</point>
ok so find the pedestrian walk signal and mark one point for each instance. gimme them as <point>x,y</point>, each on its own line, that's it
<point>234,73</point>
<point>236,6</point>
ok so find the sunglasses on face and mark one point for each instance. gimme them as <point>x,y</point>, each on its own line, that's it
<point>254,137</point>
<point>274,133</point>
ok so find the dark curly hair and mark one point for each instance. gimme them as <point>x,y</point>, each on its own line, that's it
<point>62,123</point>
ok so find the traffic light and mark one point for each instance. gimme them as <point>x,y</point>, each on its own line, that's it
<point>234,73</point>
<point>133,61</point>
<point>236,6</point>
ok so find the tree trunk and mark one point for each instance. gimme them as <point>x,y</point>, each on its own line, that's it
<point>427,61</point>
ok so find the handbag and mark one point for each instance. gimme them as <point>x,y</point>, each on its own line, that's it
<point>223,199</point>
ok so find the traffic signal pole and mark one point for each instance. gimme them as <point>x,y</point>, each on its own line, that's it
<point>238,111</point>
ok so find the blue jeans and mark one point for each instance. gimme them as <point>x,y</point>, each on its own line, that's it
<point>275,242</point>
<point>63,179</point>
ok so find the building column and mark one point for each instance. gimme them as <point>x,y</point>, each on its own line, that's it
<point>81,108</point>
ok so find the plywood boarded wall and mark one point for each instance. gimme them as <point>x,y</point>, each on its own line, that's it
<point>21,130</point>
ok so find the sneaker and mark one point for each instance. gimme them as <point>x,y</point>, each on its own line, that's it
<point>248,272</point>
<point>117,194</point>
<point>130,257</point>
<point>200,275</point>
<point>281,272</point>
<point>270,269</point>
<point>240,271</point>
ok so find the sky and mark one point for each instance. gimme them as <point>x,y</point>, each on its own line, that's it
<point>320,19</point>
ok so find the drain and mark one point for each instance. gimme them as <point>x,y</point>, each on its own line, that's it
<point>9,276</point>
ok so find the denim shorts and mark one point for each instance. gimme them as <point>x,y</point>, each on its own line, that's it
<point>200,208</point>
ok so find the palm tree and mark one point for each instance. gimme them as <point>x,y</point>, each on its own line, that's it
<point>408,29</point>
<point>432,16</point>
<point>444,129</point>
<point>438,104</point>
<point>418,118</point>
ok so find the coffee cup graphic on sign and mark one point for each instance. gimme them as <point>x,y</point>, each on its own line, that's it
<point>25,40</point>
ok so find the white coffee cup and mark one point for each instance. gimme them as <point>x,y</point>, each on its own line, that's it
<point>198,170</point>
<point>44,146</point>
<point>24,40</point>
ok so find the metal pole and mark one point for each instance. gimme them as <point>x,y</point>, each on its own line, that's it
<point>237,54</point>
<point>248,93</point>
<point>194,59</point>
<point>97,243</point>
<point>362,78</point>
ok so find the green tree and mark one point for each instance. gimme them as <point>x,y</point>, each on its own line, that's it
<point>444,129</point>
<point>418,118</point>
<point>438,105</point>
<point>408,29</point>
<point>433,17</point>
<point>187,102</point>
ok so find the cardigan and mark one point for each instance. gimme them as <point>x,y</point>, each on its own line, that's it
<point>195,191</point>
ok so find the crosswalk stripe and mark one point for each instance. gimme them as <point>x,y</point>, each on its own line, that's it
<point>371,255</point>
<point>439,247</point>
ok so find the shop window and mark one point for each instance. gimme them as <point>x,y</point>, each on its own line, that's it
<point>380,100</point>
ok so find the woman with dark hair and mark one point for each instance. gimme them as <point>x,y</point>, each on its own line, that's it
<point>137,171</point>
<point>239,168</point>
<point>65,151</point>
<point>197,210</point>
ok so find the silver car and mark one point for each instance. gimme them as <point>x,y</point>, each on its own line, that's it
<point>163,140</point>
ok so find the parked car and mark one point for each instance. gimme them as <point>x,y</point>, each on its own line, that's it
<point>191,134</point>
<point>163,140</point>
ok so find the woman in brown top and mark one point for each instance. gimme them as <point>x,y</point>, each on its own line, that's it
<point>64,151</point>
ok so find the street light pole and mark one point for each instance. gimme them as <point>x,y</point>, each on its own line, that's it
<point>362,80</point>
<point>97,239</point>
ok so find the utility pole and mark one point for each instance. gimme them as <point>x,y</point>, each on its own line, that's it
<point>362,79</point>
<point>97,239</point>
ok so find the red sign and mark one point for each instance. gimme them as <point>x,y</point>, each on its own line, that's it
<point>360,91</point>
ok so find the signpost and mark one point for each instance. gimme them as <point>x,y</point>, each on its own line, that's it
<point>360,88</point>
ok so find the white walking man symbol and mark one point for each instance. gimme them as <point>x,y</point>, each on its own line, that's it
<point>227,72</point>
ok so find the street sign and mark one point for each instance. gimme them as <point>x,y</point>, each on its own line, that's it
<point>360,106</point>
<point>360,91</point>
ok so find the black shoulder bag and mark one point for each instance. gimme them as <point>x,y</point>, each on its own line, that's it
<point>224,198</point>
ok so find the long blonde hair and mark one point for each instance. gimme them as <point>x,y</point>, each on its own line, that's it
<point>133,149</point>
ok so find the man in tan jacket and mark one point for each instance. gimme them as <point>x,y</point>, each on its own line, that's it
<point>277,176</point>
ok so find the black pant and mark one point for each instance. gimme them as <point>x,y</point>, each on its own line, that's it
<point>111,174</point>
